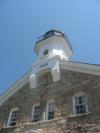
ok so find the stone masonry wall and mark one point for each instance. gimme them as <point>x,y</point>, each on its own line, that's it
<point>62,92</point>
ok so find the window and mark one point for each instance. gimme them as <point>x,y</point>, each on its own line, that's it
<point>50,110</point>
<point>13,117</point>
<point>45,78</point>
<point>36,113</point>
<point>45,52</point>
<point>80,104</point>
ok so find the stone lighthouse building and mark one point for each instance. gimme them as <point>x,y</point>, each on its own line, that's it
<point>56,95</point>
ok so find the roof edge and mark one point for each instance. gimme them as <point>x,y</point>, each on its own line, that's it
<point>14,88</point>
<point>81,67</point>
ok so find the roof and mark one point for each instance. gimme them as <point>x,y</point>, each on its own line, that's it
<point>93,69</point>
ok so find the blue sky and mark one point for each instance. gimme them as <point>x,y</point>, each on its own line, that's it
<point>22,21</point>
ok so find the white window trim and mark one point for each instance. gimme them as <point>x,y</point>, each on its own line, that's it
<point>50,101</point>
<point>76,95</point>
<point>9,118</point>
<point>33,109</point>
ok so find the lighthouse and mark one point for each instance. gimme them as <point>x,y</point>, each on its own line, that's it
<point>49,48</point>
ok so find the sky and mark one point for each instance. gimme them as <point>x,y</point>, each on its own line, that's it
<point>22,21</point>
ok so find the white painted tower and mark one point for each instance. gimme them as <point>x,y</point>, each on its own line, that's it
<point>50,48</point>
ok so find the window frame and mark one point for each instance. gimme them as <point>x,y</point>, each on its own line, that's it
<point>85,104</point>
<point>10,115</point>
<point>47,108</point>
<point>45,78</point>
<point>33,112</point>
